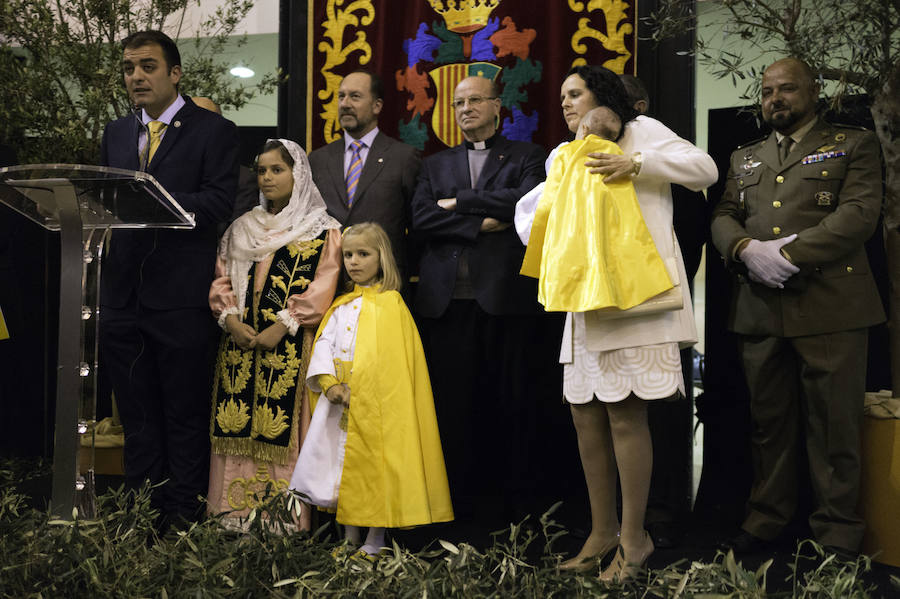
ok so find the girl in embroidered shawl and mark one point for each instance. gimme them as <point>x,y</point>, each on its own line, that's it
<point>373,450</point>
<point>277,272</point>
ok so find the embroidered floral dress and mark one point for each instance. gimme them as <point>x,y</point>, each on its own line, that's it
<point>260,408</point>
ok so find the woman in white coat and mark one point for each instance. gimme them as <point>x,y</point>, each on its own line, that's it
<point>613,366</point>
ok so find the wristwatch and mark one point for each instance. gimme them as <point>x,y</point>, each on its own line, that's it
<point>637,159</point>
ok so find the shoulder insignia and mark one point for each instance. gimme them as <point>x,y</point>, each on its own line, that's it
<point>751,143</point>
<point>843,126</point>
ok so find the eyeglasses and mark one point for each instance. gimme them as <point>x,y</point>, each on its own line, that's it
<point>459,103</point>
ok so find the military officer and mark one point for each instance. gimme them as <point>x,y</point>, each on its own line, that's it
<point>798,207</point>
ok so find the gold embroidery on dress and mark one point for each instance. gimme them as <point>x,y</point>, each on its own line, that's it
<point>248,493</point>
<point>265,422</point>
<point>232,416</point>
<point>306,249</point>
<point>278,281</point>
<point>276,371</point>
<point>301,282</point>
<point>234,373</point>
<point>235,381</point>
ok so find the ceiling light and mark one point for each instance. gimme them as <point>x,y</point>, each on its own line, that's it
<point>242,72</point>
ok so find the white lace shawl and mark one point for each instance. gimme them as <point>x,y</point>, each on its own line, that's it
<point>256,234</point>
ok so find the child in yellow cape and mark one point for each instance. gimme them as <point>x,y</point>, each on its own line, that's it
<point>592,233</point>
<point>373,450</point>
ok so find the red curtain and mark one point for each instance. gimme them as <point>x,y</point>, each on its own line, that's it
<point>422,48</point>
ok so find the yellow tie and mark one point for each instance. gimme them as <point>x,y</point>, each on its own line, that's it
<point>156,128</point>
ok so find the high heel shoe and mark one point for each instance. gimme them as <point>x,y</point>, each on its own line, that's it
<point>590,562</point>
<point>620,570</point>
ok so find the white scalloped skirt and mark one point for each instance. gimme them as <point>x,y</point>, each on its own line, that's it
<point>648,371</point>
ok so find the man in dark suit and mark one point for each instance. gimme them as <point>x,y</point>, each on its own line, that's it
<point>385,185</point>
<point>482,327</point>
<point>797,209</point>
<point>157,336</point>
<point>671,422</point>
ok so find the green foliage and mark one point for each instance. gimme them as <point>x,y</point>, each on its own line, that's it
<point>856,44</point>
<point>62,80</point>
<point>118,554</point>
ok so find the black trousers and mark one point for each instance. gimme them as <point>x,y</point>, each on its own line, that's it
<point>160,365</point>
<point>497,386</point>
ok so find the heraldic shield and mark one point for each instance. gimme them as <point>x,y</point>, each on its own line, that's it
<point>446,78</point>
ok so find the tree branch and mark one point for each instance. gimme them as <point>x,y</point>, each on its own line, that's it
<point>852,77</point>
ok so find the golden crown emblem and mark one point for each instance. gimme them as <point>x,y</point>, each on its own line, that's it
<point>464,16</point>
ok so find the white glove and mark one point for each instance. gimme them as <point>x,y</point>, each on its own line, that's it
<point>766,263</point>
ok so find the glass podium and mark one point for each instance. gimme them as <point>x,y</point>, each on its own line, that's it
<point>83,203</point>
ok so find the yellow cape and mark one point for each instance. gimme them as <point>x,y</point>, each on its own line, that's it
<point>393,472</point>
<point>599,252</point>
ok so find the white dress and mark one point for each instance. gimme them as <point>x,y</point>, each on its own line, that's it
<point>635,355</point>
<point>317,473</point>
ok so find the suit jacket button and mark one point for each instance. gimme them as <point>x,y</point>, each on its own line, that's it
<point>849,269</point>
<point>776,230</point>
<point>777,204</point>
<point>779,179</point>
<point>824,173</point>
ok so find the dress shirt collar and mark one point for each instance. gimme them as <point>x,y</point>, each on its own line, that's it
<point>799,134</point>
<point>368,139</point>
<point>168,114</point>
<point>487,144</point>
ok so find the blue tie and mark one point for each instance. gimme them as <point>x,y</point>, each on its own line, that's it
<point>355,169</point>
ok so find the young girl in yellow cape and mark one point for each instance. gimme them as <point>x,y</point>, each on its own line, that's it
<point>373,450</point>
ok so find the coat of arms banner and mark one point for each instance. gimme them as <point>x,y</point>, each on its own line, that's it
<point>423,48</point>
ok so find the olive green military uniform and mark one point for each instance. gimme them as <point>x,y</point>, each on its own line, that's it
<point>804,346</point>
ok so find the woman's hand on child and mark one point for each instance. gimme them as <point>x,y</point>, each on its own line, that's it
<point>270,336</point>
<point>615,167</point>
<point>242,333</point>
<point>339,394</point>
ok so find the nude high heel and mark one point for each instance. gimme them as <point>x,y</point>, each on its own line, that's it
<point>590,562</point>
<point>620,570</point>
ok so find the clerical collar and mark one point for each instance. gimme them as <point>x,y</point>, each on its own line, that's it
<point>482,145</point>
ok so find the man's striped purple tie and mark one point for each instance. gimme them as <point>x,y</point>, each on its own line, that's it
<point>355,169</point>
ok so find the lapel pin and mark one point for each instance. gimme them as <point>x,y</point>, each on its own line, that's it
<point>381,160</point>
<point>177,124</point>
<point>500,157</point>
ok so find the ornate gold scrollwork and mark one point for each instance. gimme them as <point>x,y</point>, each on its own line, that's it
<point>613,40</point>
<point>336,21</point>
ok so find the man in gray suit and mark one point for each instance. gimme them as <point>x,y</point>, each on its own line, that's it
<point>381,191</point>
